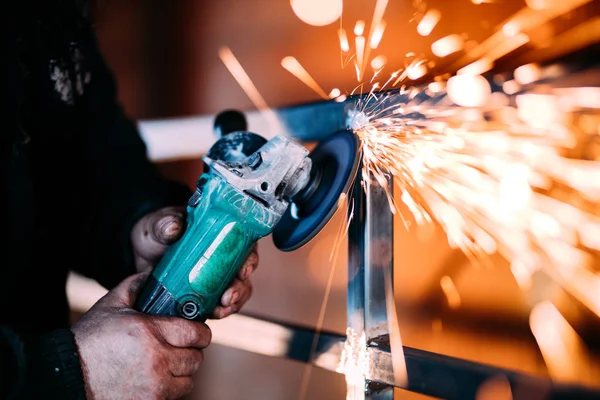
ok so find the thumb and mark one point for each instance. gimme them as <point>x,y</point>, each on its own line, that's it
<point>154,232</point>
<point>166,227</point>
<point>126,292</point>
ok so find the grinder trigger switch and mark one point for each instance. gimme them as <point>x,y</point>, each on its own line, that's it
<point>197,195</point>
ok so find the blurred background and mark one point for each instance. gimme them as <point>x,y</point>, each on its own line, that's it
<point>165,58</point>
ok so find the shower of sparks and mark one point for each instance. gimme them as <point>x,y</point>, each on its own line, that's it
<point>376,24</point>
<point>497,179</point>
<point>501,171</point>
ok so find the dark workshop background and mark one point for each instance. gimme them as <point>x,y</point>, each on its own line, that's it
<point>164,55</point>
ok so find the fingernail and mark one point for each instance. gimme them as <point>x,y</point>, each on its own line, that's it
<point>234,298</point>
<point>226,299</point>
<point>170,228</point>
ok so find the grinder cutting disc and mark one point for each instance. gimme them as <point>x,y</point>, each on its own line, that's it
<point>335,162</point>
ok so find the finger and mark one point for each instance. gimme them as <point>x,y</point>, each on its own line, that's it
<point>250,265</point>
<point>178,387</point>
<point>153,233</point>
<point>126,292</point>
<point>222,312</point>
<point>167,225</point>
<point>184,362</point>
<point>179,332</point>
<point>233,293</point>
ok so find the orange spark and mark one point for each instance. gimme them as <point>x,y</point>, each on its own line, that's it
<point>380,7</point>
<point>344,45</point>
<point>377,35</point>
<point>429,21</point>
<point>450,292</point>
<point>378,62</point>
<point>359,42</point>
<point>447,45</point>
<point>295,68</point>
<point>359,27</point>
<point>240,75</point>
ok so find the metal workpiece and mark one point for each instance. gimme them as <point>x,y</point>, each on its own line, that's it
<point>273,338</point>
<point>453,378</point>
<point>429,373</point>
<point>370,263</point>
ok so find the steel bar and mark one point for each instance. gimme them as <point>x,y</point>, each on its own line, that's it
<point>370,247</point>
<point>428,373</point>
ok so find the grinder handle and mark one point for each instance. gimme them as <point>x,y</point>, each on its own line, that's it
<point>195,271</point>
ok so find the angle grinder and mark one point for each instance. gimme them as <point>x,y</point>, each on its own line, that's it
<point>251,188</point>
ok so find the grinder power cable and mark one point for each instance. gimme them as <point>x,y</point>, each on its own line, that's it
<point>251,188</point>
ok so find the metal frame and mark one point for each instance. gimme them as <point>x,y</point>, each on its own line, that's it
<point>370,235</point>
<point>370,247</point>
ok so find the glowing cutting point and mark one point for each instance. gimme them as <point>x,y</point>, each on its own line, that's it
<point>356,120</point>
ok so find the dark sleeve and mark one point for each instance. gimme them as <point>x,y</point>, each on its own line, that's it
<point>121,184</point>
<point>43,366</point>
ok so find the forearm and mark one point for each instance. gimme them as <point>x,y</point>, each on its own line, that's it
<point>40,366</point>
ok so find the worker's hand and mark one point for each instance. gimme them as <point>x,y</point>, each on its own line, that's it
<point>154,232</point>
<point>240,290</point>
<point>130,355</point>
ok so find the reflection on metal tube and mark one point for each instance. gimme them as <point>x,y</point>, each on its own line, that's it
<point>370,244</point>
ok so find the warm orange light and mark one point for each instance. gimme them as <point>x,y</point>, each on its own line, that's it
<point>469,90</point>
<point>335,92</point>
<point>511,29</point>
<point>429,21</point>
<point>317,12</point>
<point>528,73</point>
<point>563,350</point>
<point>450,292</point>
<point>542,4</point>
<point>242,78</point>
<point>295,68</point>
<point>510,87</point>
<point>359,27</point>
<point>378,62</point>
<point>477,67</point>
<point>359,42</point>
<point>377,35</point>
<point>447,45</point>
<point>417,71</point>
<point>435,87</point>
<point>344,45</point>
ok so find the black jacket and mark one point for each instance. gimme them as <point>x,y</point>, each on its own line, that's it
<point>75,178</point>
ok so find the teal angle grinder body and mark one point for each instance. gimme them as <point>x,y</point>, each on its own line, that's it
<point>279,189</point>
